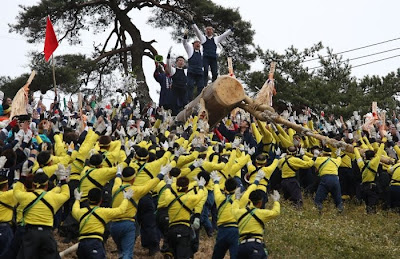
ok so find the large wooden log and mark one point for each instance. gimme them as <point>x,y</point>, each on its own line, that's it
<point>220,97</point>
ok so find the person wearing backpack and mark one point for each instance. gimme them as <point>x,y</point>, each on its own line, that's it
<point>123,229</point>
<point>228,233</point>
<point>38,209</point>
<point>289,165</point>
<point>180,209</point>
<point>369,169</point>
<point>328,170</point>
<point>92,222</point>
<point>251,221</point>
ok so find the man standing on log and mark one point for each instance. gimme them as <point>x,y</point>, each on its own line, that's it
<point>209,42</point>
<point>179,83</point>
<point>195,68</point>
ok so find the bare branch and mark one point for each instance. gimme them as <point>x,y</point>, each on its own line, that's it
<point>111,53</point>
<point>73,26</point>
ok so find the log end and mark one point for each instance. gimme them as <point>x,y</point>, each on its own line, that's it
<point>228,90</point>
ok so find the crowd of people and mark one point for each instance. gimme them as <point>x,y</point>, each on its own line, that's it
<point>92,172</point>
<point>121,171</point>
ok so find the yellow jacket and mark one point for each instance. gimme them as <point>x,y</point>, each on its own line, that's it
<point>290,164</point>
<point>95,178</point>
<point>224,202</point>
<point>92,226</point>
<point>394,170</point>
<point>138,193</point>
<point>7,204</point>
<point>327,165</point>
<point>369,169</point>
<point>268,170</point>
<point>40,213</point>
<point>147,171</point>
<point>251,220</point>
<point>177,213</point>
<point>78,157</point>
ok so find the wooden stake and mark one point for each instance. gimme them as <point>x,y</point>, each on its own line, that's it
<point>54,75</point>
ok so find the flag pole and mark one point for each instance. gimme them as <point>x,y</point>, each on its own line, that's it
<point>54,74</point>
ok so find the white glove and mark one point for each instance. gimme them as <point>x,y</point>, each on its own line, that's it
<point>198,163</point>
<point>28,136</point>
<point>20,135</point>
<point>60,171</point>
<point>302,152</point>
<point>316,152</point>
<point>77,194</point>
<point>67,173</point>
<point>201,182</point>
<point>3,161</point>
<point>108,131</point>
<point>338,151</point>
<point>71,147</point>
<point>278,151</point>
<point>167,179</point>
<point>119,169</point>
<point>171,143</point>
<point>128,194</point>
<point>275,196</point>
<point>236,143</point>
<point>252,151</point>
<point>260,175</point>
<point>165,145</point>
<point>25,169</point>
<point>181,150</point>
<point>238,194</point>
<point>17,175</point>
<point>100,127</point>
<point>195,142</point>
<point>214,176</point>
<point>196,223</point>
<point>129,151</point>
<point>165,169</point>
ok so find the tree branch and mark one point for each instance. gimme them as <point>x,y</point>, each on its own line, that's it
<point>73,26</point>
<point>111,53</point>
<point>148,46</point>
<point>91,3</point>
<point>171,9</point>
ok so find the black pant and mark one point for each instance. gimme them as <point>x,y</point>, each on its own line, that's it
<point>6,237</point>
<point>16,242</point>
<point>38,242</point>
<point>212,63</point>
<point>251,250</point>
<point>91,248</point>
<point>291,191</point>
<point>162,220</point>
<point>146,217</point>
<point>370,196</point>
<point>179,239</point>
<point>347,181</point>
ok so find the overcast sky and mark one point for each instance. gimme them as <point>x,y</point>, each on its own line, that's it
<point>341,25</point>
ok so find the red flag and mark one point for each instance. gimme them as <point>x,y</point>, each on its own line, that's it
<point>50,42</point>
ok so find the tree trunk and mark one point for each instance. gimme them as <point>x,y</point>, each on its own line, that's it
<point>137,50</point>
<point>220,97</point>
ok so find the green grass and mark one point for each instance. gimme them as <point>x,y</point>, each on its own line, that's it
<point>307,234</point>
<point>353,234</point>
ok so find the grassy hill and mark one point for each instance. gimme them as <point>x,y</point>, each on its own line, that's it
<point>307,234</point>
